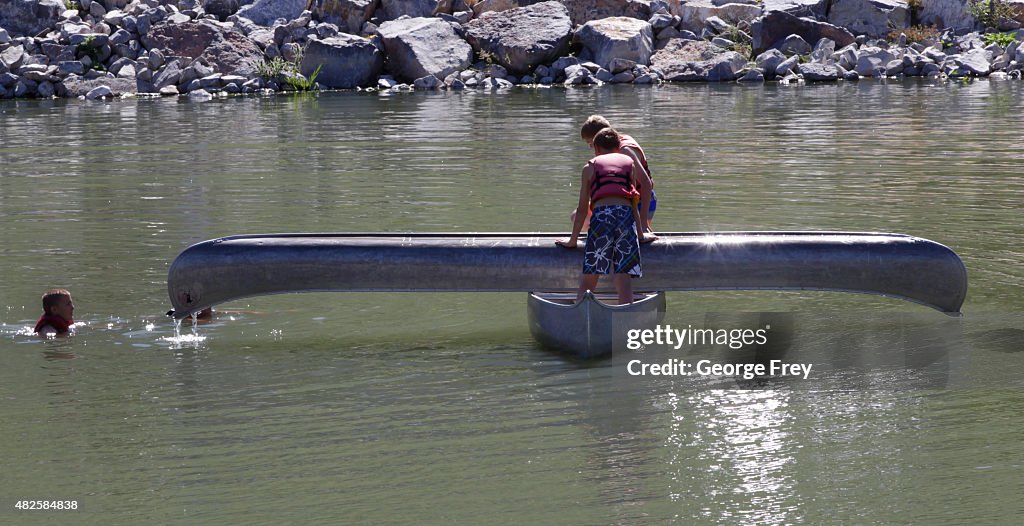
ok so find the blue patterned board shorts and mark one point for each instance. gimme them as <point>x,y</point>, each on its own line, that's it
<point>612,245</point>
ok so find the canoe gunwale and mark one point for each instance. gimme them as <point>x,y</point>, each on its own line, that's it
<point>890,265</point>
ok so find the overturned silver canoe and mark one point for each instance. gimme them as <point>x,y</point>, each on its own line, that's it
<point>591,327</point>
<point>235,267</point>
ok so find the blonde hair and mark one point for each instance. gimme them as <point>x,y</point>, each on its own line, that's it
<point>592,125</point>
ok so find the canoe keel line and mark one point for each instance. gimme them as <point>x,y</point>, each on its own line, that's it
<point>236,267</point>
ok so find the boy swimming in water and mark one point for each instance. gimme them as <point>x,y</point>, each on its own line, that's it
<point>58,313</point>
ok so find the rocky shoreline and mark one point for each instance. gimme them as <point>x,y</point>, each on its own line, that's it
<point>206,48</point>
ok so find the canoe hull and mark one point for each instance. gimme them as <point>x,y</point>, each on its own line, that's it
<point>590,328</point>
<point>894,265</point>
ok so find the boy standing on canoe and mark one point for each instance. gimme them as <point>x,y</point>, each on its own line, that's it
<point>608,188</point>
<point>631,148</point>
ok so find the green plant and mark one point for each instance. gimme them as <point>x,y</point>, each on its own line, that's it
<point>271,70</point>
<point>87,49</point>
<point>988,12</point>
<point>301,83</point>
<point>1002,39</point>
<point>279,69</point>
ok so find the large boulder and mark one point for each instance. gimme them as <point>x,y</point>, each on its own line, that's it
<point>487,6</point>
<point>694,12</point>
<point>808,8</point>
<point>393,9</point>
<point>75,86</point>
<point>265,12</point>
<point>418,47</point>
<point>617,37</point>
<point>29,17</point>
<point>772,29</point>
<point>225,50</point>
<point>221,9</point>
<point>522,38</point>
<point>346,61</point>
<point>348,15</point>
<point>684,60</point>
<point>874,18</point>
<point>945,13</point>
<point>583,11</point>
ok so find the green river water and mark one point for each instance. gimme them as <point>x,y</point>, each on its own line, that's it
<point>440,408</point>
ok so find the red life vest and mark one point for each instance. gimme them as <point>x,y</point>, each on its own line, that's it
<point>625,141</point>
<point>613,177</point>
<point>57,322</point>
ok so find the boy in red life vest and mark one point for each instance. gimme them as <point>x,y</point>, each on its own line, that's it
<point>58,313</point>
<point>629,146</point>
<point>608,188</point>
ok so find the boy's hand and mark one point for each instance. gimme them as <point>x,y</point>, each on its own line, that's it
<point>647,238</point>
<point>567,243</point>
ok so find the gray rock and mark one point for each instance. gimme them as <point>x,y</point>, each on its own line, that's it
<point>846,57</point>
<point>394,9</point>
<point>5,38</point>
<point>661,21</point>
<point>211,82</point>
<point>558,67</point>
<point>29,17</point>
<point>787,66</point>
<point>769,30</point>
<point>945,13</point>
<point>871,59</point>
<point>696,60</point>
<point>428,82</point>
<point>199,95</point>
<point>420,47</point>
<point>221,9</point>
<point>169,91</point>
<point>71,67</point>
<point>623,77</point>
<point>99,92</point>
<point>78,86</point>
<point>46,89</point>
<point>769,61</point>
<point>522,38</point>
<point>618,65</point>
<point>723,42</point>
<point>975,62</point>
<point>754,75</point>
<point>823,51</point>
<point>127,72</point>
<point>816,72</point>
<point>12,57</point>
<point>349,15</point>
<point>347,61</point>
<point>8,79</point>
<point>266,12</point>
<point>171,74</point>
<point>716,25</point>
<point>617,37</point>
<point>576,75</point>
<point>874,18</point>
<point>794,45</point>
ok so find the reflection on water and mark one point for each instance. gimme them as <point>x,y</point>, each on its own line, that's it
<point>439,408</point>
